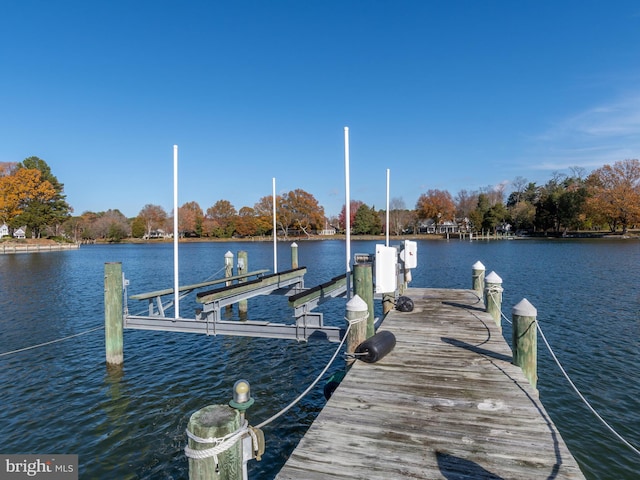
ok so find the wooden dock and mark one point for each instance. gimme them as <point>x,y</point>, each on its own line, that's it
<point>446,403</point>
<point>14,248</point>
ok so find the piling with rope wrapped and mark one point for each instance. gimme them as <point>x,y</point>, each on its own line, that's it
<point>477,278</point>
<point>357,314</point>
<point>493,297</point>
<point>214,448</point>
<point>243,267</point>
<point>228,271</point>
<point>524,340</point>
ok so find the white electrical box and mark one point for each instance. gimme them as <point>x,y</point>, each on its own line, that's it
<point>386,269</point>
<point>409,254</point>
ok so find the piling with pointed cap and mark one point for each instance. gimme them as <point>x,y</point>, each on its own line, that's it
<point>477,278</point>
<point>243,267</point>
<point>228,266</point>
<point>493,297</point>
<point>228,270</point>
<point>294,255</point>
<point>357,313</point>
<point>525,340</point>
<point>113,313</point>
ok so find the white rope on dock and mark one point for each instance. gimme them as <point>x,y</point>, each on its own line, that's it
<point>575,389</point>
<point>220,445</point>
<point>604,422</point>
<point>356,321</point>
<point>101,327</point>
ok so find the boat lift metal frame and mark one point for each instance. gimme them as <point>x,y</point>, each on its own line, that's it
<point>308,325</point>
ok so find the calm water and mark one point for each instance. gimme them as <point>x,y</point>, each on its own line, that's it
<point>129,423</point>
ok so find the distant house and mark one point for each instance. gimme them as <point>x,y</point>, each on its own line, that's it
<point>19,233</point>
<point>159,233</point>
<point>327,231</point>
<point>429,226</point>
<point>4,231</point>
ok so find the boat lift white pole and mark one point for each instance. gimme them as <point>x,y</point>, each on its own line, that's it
<point>387,207</point>
<point>176,291</point>
<point>347,209</point>
<point>275,232</point>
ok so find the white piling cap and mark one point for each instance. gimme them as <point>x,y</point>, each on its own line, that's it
<point>493,277</point>
<point>524,309</point>
<point>478,266</point>
<point>228,254</point>
<point>294,245</point>
<point>357,304</point>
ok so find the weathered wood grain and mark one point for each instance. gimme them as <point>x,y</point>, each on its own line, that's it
<point>446,403</point>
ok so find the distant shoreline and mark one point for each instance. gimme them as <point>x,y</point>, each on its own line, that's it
<point>427,237</point>
<point>631,235</point>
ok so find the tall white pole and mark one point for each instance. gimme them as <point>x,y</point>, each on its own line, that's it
<point>347,208</point>
<point>275,232</point>
<point>388,174</point>
<point>176,292</point>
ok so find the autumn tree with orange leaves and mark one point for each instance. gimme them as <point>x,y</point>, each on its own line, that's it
<point>615,194</point>
<point>20,190</point>
<point>437,205</point>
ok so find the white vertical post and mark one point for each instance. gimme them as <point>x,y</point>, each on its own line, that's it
<point>388,174</point>
<point>347,209</point>
<point>176,292</point>
<point>275,232</point>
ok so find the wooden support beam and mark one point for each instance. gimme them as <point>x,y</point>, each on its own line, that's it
<point>169,291</point>
<point>319,291</point>
<point>273,280</point>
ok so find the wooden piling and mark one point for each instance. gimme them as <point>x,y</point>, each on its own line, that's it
<point>493,297</point>
<point>477,279</point>
<point>363,287</point>
<point>524,340</point>
<point>388,302</point>
<point>215,421</point>
<point>228,266</point>
<point>228,271</point>
<point>113,313</point>
<point>357,309</point>
<point>294,255</point>
<point>243,267</point>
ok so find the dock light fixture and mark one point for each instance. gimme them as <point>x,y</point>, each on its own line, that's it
<point>242,399</point>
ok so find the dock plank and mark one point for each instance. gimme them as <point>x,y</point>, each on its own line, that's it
<point>446,403</point>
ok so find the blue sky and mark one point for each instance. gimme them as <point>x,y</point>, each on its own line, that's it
<point>447,95</point>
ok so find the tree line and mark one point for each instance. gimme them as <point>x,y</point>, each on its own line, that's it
<point>606,199</point>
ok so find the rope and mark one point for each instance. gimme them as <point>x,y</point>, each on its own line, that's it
<point>213,275</point>
<point>491,289</point>
<point>575,389</point>
<point>52,341</point>
<point>506,318</point>
<point>357,320</point>
<point>221,445</point>
<point>611,429</point>
<point>313,384</point>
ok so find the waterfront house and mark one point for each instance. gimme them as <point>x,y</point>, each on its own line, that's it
<point>4,230</point>
<point>19,233</point>
<point>159,233</point>
<point>430,226</point>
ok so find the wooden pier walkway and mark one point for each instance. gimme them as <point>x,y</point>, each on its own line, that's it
<point>446,403</point>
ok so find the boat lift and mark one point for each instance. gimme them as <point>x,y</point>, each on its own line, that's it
<point>308,324</point>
